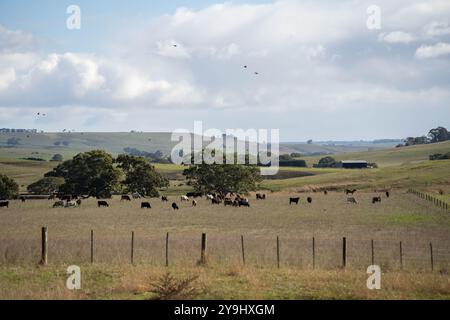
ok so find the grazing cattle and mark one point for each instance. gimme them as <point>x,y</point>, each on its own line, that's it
<point>260,196</point>
<point>387,194</point>
<point>325,192</point>
<point>348,191</point>
<point>145,205</point>
<point>79,202</point>
<point>351,200</point>
<point>58,204</point>
<point>309,199</point>
<point>22,199</point>
<point>209,196</point>
<point>136,195</point>
<point>175,206</point>
<point>228,202</point>
<point>102,204</point>
<point>376,199</point>
<point>294,200</point>
<point>184,198</point>
<point>216,200</point>
<point>125,197</point>
<point>194,194</point>
<point>194,203</point>
<point>244,203</point>
<point>164,199</point>
<point>4,204</point>
<point>71,204</point>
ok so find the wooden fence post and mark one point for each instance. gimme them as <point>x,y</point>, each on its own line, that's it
<point>132,247</point>
<point>431,256</point>
<point>314,252</point>
<point>167,249</point>
<point>401,255</point>
<point>344,252</point>
<point>278,252</point>
<point>373,252</point>
<point>203,253</point>
<point>243,250</point>
<point>92,246</point>
<point>44,246</point>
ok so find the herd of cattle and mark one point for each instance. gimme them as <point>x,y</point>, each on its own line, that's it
<point>234,200</point>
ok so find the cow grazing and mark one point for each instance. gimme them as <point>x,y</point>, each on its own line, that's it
<point>294,200</point>
<point>102,204</point>
<point>184,198</point>
<point>216,200</point>
<point>22,199</point>
<point>228,202</point>
<point>4,204</point>
<point>175,206</point>
<point>309,199</point>
<point>58,204</point>
<point>164,199</point>
<point>387,194</point>
<point>125,197</point>
<point>79,202</point>
<point>376,199</point>
<point>146,205</point>
<point>351,200</point>
<point>348,191</point>
<point>325,192</point>
<point>244,203</point>
<point>136,195</point>
<point>71,204</point>
<point>260,196</point>
<point>194,203</point>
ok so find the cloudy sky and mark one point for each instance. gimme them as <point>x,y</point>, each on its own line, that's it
<point>148,66</point>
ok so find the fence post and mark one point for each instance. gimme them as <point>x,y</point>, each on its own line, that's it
<point>373,252</point>
<point>243,250</point>
<point>44,246</point>
<point>167,249</point>
<point>92,246</point>
<point>203,254</point>
<point>431,256</point>
<point>401,255</point>
<point>132,247</point>
<point>314,252</point>
<point>344,252</point>
<point>278,252</point>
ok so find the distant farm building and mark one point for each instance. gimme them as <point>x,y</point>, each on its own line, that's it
<point>353,164</point>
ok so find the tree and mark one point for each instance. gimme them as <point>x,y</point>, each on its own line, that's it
<point>438,134</point>
<point>223,178</point>
<point>90,173</point>
<point>57,157</point>
<point>327,162</point>
<point>46,185</point>
<point>9,189</point>
<point>140,176</point>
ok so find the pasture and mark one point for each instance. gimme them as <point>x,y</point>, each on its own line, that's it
<point>329,218</point>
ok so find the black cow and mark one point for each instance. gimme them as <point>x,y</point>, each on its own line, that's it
<point>164,199</point>
<point>22,199</point>
<point>260,196</point>
<point>294,200</point>
<point>387,194</point>
<point>325,192</point>
<point>125,197</point>
<point>175,206</point>
<point>102,204</point>
<point>348,191</point>
<point>78,202</point>
<point>244,203</point>
<point>4,204</point>
<point>145,205</point>
<point>376,199</point>
<point>309,199</point>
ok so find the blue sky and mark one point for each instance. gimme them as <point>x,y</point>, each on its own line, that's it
<point>314,68</point>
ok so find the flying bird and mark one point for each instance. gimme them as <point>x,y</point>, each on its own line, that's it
<point>175,45</point>
<point>256,73</point>
<point>245,67</point>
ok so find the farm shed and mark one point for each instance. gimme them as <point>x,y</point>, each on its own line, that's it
<point>353,164</point>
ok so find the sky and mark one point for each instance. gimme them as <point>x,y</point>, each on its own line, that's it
<point>321,70</point>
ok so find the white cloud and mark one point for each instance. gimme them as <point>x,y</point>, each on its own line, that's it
<point>15,41</point>
<point>433,51</point>
<point>437,28</point>
<point>396,37</point>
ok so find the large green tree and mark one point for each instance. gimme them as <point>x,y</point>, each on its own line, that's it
<point>223,178</point>
<point>140,176</point>
<point>90,173</point>
<point>439,134</point>
<point>327,162</point>
<point>9,189</point>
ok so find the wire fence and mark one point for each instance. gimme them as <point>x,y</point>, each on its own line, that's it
<point>435,201</point>
<point>180,249</point>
